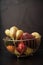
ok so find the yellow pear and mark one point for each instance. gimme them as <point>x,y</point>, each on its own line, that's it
<point>13,30</point>
<point>16,52</point>
<point>28,51</point>
<point>19,34</point>
<point>37,36</point>
<point>7,32</point>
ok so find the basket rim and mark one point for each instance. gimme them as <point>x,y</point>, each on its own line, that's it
<point>4,39</point>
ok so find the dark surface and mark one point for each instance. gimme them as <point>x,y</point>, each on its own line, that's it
<point>35,60</point>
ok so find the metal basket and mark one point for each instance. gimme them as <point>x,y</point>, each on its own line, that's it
<point>31,43</point>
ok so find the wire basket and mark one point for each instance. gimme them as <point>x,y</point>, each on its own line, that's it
<point>31,46</point>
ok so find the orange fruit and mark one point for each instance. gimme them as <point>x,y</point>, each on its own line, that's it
<point>10,48</point>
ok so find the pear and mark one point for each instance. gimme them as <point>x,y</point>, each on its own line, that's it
<point>16,52</point>
<point>37,36</point>
<point>28,51</point>
<point>13,31</point>
<point>7,32</point>
<point>19,33</point>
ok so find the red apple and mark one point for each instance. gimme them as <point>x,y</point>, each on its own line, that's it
<point>21,47</point>
<point>27,36</point>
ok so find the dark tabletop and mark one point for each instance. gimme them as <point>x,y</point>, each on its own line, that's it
<point>11,60</point>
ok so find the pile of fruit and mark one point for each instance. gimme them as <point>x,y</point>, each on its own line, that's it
<point>20,42</point>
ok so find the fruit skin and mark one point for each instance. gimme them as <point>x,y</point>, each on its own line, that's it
<point>37,36</point>
<point>19,33</point>
<point>28,51</point>
<point>10,48</point>
<point>16,52</point>
<point>13,31</point>
<point>7,32</point>
<point>27,36</point>
<point>21,47</point>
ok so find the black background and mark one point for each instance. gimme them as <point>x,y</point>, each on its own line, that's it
<point>26,15</point>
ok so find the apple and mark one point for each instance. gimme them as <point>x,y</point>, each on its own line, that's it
<point>27,36</point>
<point>19,33</point>
<point>21,47</point>
<point>13,31</point>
